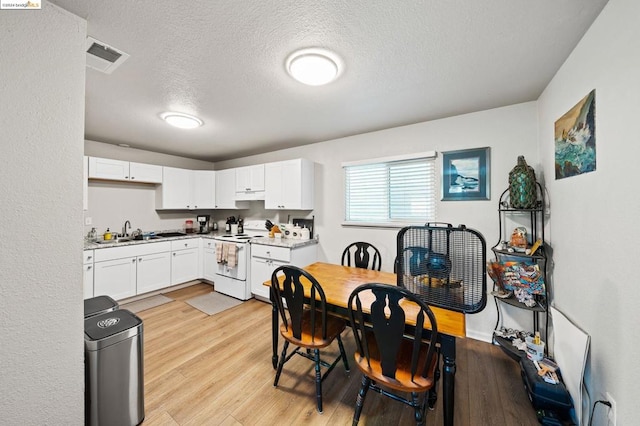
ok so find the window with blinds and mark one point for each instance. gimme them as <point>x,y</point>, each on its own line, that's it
<point>394,191</point>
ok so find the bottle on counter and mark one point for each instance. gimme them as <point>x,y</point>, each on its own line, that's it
<point>240,226</point>
<point>304,233</point>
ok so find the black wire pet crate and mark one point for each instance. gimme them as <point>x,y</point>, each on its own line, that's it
<point>444,265</point>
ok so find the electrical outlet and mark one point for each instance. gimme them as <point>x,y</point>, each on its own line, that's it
<point>611,414</point>
<point>87,221</point>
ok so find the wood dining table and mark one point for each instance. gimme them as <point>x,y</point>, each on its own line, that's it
<point>339,281</point>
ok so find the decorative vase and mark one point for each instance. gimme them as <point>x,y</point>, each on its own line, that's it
<point>522,185</point>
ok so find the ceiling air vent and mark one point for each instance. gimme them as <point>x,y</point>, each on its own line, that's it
<point>102,57</point>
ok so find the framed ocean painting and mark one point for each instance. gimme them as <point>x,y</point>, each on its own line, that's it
<point>575,139</point>
<point>465,174</point>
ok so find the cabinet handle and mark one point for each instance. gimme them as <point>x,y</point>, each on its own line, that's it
<point>133,260</point>
<point>174,254</point>
<point>89,257</point>
<point>140,260</point>
<point>133,177</point>
<point>126,177</point>
<point>187,205</point>
<point>89,267</point>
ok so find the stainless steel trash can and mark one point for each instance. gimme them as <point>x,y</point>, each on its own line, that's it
<point>98,305</point>
<point>114,369</point>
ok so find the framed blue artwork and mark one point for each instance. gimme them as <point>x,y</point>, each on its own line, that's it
<point>466,174</point>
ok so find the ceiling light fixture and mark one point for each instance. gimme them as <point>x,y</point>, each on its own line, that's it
<point>181,120</point>
<point>314,66</point>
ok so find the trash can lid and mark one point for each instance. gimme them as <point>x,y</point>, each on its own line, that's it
<point>99,304</point>
<point>108,324</point>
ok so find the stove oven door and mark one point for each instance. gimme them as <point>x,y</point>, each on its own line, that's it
<point>239,272</point>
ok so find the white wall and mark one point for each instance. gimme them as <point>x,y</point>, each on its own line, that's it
<point>594,217</point>
<point>113,203</point>
<point>509,131</point>
<point>42,120</point>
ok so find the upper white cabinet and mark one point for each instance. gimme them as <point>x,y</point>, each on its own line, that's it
<point>186,189</point>
<point>289,185</point>
<point>226,191</point>
<point>250,182</point>
<point>148,173</point>
<point>105,168</point>
<point>204,189</point>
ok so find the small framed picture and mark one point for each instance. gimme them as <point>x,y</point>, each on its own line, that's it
<point>465,174</point>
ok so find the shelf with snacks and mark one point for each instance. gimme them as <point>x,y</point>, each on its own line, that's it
<point>519,270</point>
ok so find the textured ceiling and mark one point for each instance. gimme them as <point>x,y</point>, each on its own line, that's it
<point>223,60</point>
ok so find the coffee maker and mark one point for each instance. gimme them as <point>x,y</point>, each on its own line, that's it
<point>203,221</point>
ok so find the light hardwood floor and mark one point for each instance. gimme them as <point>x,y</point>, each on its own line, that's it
<point>216,370</point>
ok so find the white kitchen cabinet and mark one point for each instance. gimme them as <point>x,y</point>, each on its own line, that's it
<point>146,173</point>
<point>106,168</point>
<point>204,189</point>
<point>186,189</point>
<point>87,279</point>
<point>289,185</point>
<point>153,272</point>
<point>250,182</point>
<point>85,183</point>
<point>115,278</point>
<point>209,262</point>
<point>175,191</point>
<point>121,272</point>
<point>225,192</point>
<point>265,259</point>
<point>185,260</point>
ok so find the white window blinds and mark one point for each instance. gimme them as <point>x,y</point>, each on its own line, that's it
<point>385,192</point>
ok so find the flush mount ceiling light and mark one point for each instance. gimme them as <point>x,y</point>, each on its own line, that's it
<point>314,66</point>
<point>183,121</point>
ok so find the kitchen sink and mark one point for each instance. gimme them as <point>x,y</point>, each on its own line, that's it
<point>171,234</point>
<point>141,237</point>
<point>115,240</point>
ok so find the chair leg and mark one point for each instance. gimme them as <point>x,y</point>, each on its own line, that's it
<point>360,399</point>
<point>433,392</point>
<point>418,409</point>
<point>343,354</point>
<point>316,353</point>
<point>281,363</point>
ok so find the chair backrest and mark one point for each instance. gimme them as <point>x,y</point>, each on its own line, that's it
<point>384,320</point>
<point>362,255</point>
<point>415,260</point>
<point>291,302</point>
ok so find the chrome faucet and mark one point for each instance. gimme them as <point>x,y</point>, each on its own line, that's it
<point>124,228</point>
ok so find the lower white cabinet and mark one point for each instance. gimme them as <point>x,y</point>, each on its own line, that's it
<point>209,262</point>
<point>265,259</point>
<point>115,278</point>
<point>87,278</point>
<point>185,255</point>
<point>121,272</point>
<point>153,272</point>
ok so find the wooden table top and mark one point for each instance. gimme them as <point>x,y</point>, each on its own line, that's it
<point>339,281</point>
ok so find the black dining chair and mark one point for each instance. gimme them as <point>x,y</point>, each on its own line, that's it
<point>305,323</point>
<point>390,360</point>
<point>362,255</point>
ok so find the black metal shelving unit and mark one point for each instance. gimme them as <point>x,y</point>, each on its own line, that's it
<point>533,219</point>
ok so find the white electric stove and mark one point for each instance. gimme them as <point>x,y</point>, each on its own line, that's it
<point>235,281</point>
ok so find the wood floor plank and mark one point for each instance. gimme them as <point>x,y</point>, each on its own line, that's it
<point>216,370</point>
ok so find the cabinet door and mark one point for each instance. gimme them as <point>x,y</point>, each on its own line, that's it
<point>148,173</point>
<point>225,192</point>
<point>273,186</point>
<point>88,281</point>
<point>204,189</point>
<point>261,270</point>
<point>289,185</point>
<point>184,266</point>
<point>209,263</point>
<point>154,272</point>
<point>105,168</point>
<point>250,178</point>
<point>115,278</point>
<point>175,190</point>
